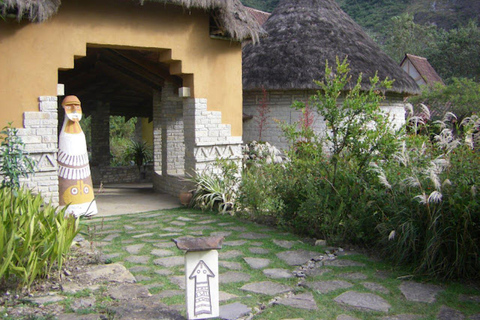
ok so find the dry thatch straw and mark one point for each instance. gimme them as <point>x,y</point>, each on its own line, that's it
<point>302,35</point>
<point>232,16</point>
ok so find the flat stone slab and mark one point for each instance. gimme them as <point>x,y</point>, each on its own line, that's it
<point>143,235</point>
<point>297,257</point>
<point>343,263</point>
<point>363,301</point>
<point>72,316</point>
<point>46,299</point>
<point>469,298</point>
<point>179,281</point>
<point>220,233</point>
<point>402,317</point>
<point>238,229</point>
<point>185,219</point>
<point>316,272</point>
<point>139,269</point>
<point>141,277</point>
<point>163,272</point>
<point>178,223</point>
<point>266,287</point>
<point>328,285</point>
<point>170,293</point>
<point>447,313</point>
<point>419,292</point>
<point>230,265</point>
<point>206,221</point>
<point>375,287</point>
<point>225,296</point>
<point>299,301</point>
<point>142,223</point>
<point>113,272</point>
<point>161,252</point>
<point>253,235</point>
<point>82,303</point>
<point>110,256</point>
<point>138,259</point>
<point>135,248</point>
<point>164,244</point>
<point>169,262</point>
<point>353,276</point>
<point>230,254</point>
<point>110,237</point>
<point>257,263</point>
<point>171,229</point>
<point>231,277</point>
<point>278,273</point>
<point>346,317</point>
<point>474,317</point>
<point>259,250</point>
<point>234,243</point>
<point>145,309</point>
<point>234,311</point>
<point>128,292</point>
<point>284,243</point>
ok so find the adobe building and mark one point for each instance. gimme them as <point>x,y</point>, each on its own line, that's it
<point>176,63</point>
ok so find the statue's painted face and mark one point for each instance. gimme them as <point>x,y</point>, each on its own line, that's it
<point>73,111</point>
<point>72,107</point>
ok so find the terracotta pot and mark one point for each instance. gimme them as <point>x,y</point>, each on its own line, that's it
<point>185,197</point>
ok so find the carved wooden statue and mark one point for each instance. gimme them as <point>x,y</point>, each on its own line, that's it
<point>75,180</point>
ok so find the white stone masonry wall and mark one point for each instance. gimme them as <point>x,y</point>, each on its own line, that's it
<point>280,111</point>
<point>207,138</point>
<point>39,133</point>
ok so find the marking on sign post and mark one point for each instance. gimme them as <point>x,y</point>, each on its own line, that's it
<point>201,275</point>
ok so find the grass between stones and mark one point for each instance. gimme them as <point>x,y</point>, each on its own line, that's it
<point>142,242</point>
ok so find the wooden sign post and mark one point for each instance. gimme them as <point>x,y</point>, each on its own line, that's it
<point>201,276</point>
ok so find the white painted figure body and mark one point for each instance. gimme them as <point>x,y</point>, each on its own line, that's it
<point>75,181</point>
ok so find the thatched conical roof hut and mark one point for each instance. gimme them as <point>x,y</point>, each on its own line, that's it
<point>302,35</point>
<point>232,17</point>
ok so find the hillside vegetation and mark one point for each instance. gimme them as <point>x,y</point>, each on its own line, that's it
<point>374,15</point>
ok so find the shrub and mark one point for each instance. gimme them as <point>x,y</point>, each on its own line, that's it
<point>15,162</point>
<point>325,193</point>
<point>263,168</point>
<point>216,187</point>
<point>33,237</point>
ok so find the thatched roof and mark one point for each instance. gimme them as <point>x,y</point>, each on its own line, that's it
<point>302,35</point>
<point>232,16</point>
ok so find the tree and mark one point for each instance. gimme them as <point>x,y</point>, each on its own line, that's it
<point>457,53</point>
<point>406,36</point>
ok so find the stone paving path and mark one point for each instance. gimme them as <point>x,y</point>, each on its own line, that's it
<point>259,271</point>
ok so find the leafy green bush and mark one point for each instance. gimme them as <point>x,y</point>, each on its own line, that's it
<point>14,161</point>
<point>257,197</point>
<point>33,236</point>
<point>324,192</point>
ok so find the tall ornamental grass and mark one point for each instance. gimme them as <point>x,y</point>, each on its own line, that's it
<point>428,200</point>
